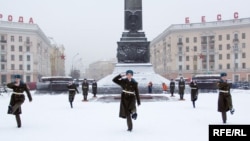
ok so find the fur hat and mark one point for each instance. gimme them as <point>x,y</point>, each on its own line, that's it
<point>129,71</point>
<point>223,74</point>
<point>18,76</point>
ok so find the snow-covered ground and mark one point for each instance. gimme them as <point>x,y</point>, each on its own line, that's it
<point>50,118</point>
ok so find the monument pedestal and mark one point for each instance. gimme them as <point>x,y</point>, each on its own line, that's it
<point>143,74</point>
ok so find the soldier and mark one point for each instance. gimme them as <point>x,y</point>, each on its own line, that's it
<point>150,87</point>
<point>85,89</point>
<point>194,91</point>
<point>225,98</point>
<point>129,95</point>
<point>181,87</point>
<point>72,92</point>
<point>18,98</point>
<point>94,88</point>
<point>172,87</point>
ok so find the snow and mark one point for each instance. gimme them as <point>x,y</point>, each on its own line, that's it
<point>50,118</point>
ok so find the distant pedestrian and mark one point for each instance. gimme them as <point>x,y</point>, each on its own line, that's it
<point>129,95</point>
<point>18,98</point>
<point>94,88</point>
<point>164,87</point>
<point>72,87</point>
<point>225,98</point>
<point>150,87</point>
<point>85,89</point>
<point>194,91</point>
<point>172,87</point>
<point>181,87</point>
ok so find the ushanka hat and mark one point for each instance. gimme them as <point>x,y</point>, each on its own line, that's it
<point>223,74</point>
<point>129,71</point>
<point>18,76</point>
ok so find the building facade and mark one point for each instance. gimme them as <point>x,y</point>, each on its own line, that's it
<point>24,50</point>
<point>204,48</point>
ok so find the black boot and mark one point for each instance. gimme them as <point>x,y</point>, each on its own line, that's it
<point>10,111</point>
<point>18,120</point>
<point>71,104</point>
<point>193,104</point>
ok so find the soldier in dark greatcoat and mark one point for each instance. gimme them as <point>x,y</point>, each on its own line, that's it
<point>181,87</point>
<point>129,95</point>
<point>85,89</point>
<point>194,91</point>
<point>18,98</point>
<point>94,88</point>
<point>72,92</point>
<point>225,98</point>
<point>172,87</point>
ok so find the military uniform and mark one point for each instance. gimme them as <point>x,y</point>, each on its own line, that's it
<point>72,92</point>
<point>224,98</point>
<point>172,87</point>
<point>194,92</point>
<point>17,99</point>
<point>85,89</point>
<point>181,87</point>
<point>129,96</point>
<point>94,88</point>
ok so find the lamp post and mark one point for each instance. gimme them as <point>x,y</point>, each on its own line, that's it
<point>73,62</point>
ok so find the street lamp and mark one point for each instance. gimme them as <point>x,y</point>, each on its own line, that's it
<point>73,61</point>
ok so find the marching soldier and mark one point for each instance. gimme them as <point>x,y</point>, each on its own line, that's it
<point>72,92</point>
<point>181,86</point>
<point>172,87</point>
<point>194,91</point>
<point>85,89</point>
<point>129,95</point>
<point>18,98</point>
<point>225,98</point>
<point>94,88</point>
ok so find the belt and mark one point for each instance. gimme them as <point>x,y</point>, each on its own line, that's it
<point>71,89</point>
<point>193,88</point>
<point>223,91</point>
<point>128,92</point>
<point>17,93</point>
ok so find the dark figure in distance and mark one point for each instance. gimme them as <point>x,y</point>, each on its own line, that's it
<point>181,86</point>
<point>172,87</point>
<point>72,92</point>
<point>85,89</point>
<point>18,98</point>
<point>194,91</point>
<point>150,86</point>
<point>129,96</point>
<point>225,98</point>
<point>94,88</point>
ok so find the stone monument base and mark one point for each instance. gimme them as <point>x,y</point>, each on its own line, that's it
<point>143,74</point>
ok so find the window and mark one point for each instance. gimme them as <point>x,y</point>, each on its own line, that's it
<point>28,78</point>
<point>243,55</point>
<point>180,40</point>
<point>228,46</point>
<point>20,39</point>
<point>187,67</point>
<point>12,67</point>
<point>28,48</point>
<point>180,50</point>
<point>187,48</point>
<point>20,67</point>
<point>12,48</point>
<point>2,67</point>
<point>28,57</point>
<point>20,48</point>
<point>12,58</point>
<point>187,58</point>
<point>228,56</point>
<point>235,36</point>
<point>243,35</point>
<point>243,45</point>
<point>228,37</point>
<point>27,40</point>
<point>20,58</point>
<point>220,66</point>
<point>180,67</point>
<point>195,58</point>
<point>195,39</point>
<point>187,40</point>
<point>236,65</point>
<point>236,56</point>
<point>243,65</point>
<point>180,58</point>
<point>195,48</point>
<point>220,56</point>
<point>220,47</point>
<point>12,39</point>
<point>228,66</point>
<point>220,37</point>
<point>2,47</point>
<point>28,67</point>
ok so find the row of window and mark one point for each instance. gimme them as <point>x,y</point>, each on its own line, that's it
<point>211,38</point>
<point>12,48</point>
<point>12,57</point>
<point>13,67</point>
<point>236,66</point>
<point>20,39</point>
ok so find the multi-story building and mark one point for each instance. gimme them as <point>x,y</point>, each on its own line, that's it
<point>208,47</point>
<point>24,50</point>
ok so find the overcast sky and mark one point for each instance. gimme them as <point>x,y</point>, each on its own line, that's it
<point>93,27</point>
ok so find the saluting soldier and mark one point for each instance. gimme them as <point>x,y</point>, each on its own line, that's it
<point>194,91</point>
<point>94,88</point>
<point>181,87</point>
<point>72,92</point>
<point>129,95</point>
<point>18,98</point>
<point>225,98</point>
<point>85,89</point>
